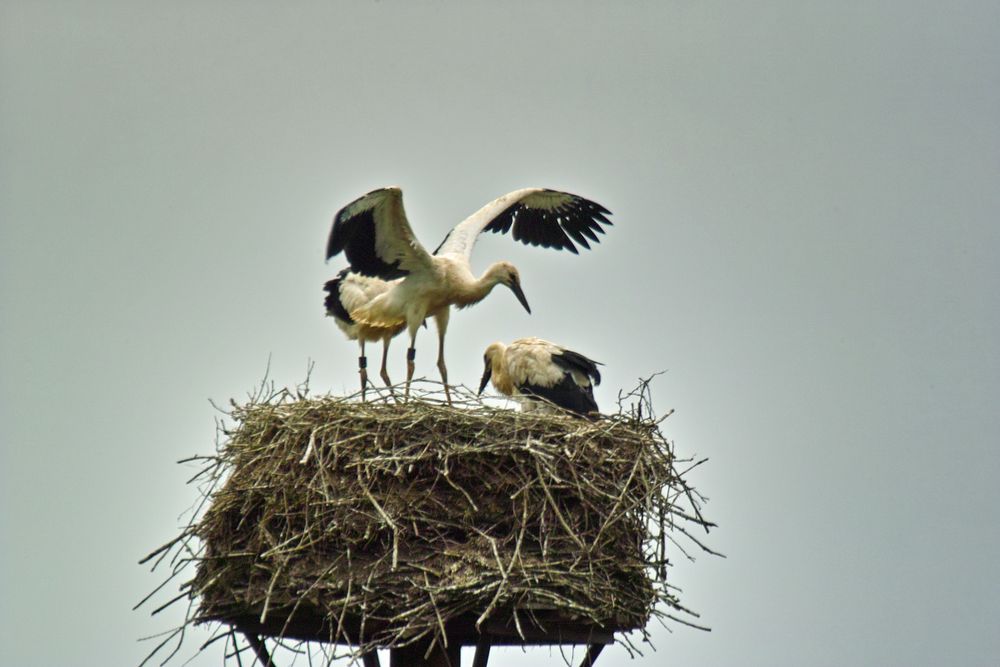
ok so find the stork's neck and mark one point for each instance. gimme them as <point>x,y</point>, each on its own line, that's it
<point>473,290</point>
<point>501,379</point>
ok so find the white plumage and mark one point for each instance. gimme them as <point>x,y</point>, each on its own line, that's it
<point>377,239</point>
<point>541,374</point>
<point>350,291</point>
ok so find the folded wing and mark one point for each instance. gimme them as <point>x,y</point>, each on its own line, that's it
<point>541,369</point>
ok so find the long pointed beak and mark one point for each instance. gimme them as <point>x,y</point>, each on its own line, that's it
<point>516,289</point>
<point>487,374</point>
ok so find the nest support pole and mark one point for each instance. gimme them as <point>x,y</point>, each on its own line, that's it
<point>417,655</point>
<point>593,650</point>
<point>257,644</point>
<point>482,651</point>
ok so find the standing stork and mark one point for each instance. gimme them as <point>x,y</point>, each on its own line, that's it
<point>347,292</point>
<point>376,237</point>
<point>537,371</point>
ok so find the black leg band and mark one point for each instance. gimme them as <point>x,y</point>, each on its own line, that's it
<point>411,354</point>
<point>362,362</point>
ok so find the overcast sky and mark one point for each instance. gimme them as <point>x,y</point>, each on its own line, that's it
<point>806,199</point>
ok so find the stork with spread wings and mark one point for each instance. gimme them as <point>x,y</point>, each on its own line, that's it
<point>375,236</point>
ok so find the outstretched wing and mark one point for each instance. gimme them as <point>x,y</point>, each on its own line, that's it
<point>537,216</point>
<point>376,237</point>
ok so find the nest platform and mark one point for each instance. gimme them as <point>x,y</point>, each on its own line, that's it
<point>387,525</point>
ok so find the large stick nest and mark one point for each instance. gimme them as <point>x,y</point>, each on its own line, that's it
<point>377,524</point>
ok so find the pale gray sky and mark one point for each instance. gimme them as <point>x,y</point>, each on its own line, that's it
<point>807,230</point>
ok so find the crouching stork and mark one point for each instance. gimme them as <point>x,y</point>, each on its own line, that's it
<point>375,235</point>
<point>541,374</point>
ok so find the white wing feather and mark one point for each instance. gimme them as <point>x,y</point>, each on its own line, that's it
<point>463,237</point>
<point>394,240</point>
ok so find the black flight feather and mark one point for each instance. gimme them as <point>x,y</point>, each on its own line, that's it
<point>355,237</point>
<point>571,361</point>
<point>567,394</point>
<point>556,228</point>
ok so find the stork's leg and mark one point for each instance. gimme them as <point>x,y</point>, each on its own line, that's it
<point>442,326</point>
<point>363,370</point>
<point>385,356</point>
<point>411,354</point>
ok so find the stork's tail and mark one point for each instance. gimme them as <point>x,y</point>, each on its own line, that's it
<point>334,306</point>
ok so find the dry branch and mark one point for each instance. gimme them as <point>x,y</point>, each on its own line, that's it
<point>378,524</point>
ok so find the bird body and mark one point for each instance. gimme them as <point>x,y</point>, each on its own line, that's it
<point>349,292</point>
<point>451,283</point>
<point>375,235</point>
<point>539,373</point>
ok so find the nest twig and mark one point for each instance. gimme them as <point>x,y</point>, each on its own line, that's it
<point>375,525</point>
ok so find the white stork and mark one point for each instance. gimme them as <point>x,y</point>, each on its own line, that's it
<point>539,372</point>
<point>347,292</point>
<point>376,237</point>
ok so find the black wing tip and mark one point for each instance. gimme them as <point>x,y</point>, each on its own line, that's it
<point>378,269</point>
<point>342,231</point>
<point>577,221</point>
<point>571,360</point>
<point>333,243</point>
<point>559,228</point>
<point>600,209</point>
<point>355,237</point>
<point>580,201</point>
<point>443,241</point>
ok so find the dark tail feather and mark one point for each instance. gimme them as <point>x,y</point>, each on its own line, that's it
<point>334,307</point>
<point>571,360</point>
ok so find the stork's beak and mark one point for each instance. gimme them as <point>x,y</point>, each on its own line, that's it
<point>487,374</point>
<point>516,289</point>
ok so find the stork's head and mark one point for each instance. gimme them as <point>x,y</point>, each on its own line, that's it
<point>493,354</point>
<point>506,274</point>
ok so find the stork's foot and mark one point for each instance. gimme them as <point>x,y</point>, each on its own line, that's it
<point>388,383</point>
<point>444,380</point>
